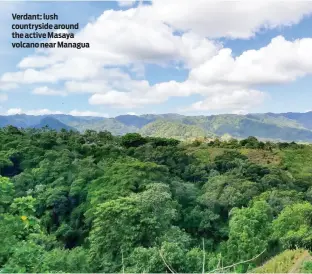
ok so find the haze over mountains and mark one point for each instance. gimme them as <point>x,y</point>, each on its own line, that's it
<point>274,126</point>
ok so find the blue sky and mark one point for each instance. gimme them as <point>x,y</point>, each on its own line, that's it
<point>161,58</point>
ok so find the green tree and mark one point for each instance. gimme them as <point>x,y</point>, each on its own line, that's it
<point>11,232</point>
<point>279,199</point>
<point>133,140</point>
<point>250,230</point>
<point>293,227</point>
<point>75,260</point>
<point>228,191</point>
<point>6,193</point>
<point>26,258</point>
<point>125,223</point>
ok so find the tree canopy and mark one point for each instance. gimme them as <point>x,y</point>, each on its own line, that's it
<point>94,202</point>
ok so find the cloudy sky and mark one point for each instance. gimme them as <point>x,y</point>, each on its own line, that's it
<point>189,57</point>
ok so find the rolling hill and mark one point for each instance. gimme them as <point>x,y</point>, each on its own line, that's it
<point>53,123</point>
<point>268,126</point>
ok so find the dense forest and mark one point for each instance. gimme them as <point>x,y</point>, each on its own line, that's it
<point>94,202</point>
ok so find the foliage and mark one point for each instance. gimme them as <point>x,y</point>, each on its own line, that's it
<point>294,226</point>
<point>307,267</point>
<point>250,230</point>
<point>94,202</point>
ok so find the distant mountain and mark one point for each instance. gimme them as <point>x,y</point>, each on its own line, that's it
<point>112,125</point>
<point>53,123</point>
<point>272,126</point>
<point>305,119</point>
<point>20,120</point>
<point>133,120</point>
<point>173,129</point>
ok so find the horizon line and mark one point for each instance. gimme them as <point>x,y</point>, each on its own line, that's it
<point>69,0</point>
<point>168,113</point>
<point>123,0</point>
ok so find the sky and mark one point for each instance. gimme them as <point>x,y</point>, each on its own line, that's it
<point>198,57</point>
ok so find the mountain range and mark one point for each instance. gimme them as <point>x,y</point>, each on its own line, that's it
<point>289,126</point>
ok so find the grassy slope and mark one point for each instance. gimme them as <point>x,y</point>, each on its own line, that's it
<point>297,161</point>
<point>207,154</point>
<point>262,157</point>
<point>162,128</point>
<point>289,261</point>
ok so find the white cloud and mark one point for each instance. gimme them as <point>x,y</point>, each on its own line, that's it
<point>88,113</point>
<point>140,93</point>
<point>74,68</point>
<point>44,111</point>
<point>240,112</point>
<point>146,35</point>
<point>234,19</point>
<point>222,78</point>
<point>236,101</point>
<point>48,91</point>
<point>107,79</point>
<point>279,62</point>
<point>7,86</point>
<point>196,49</point>
<point>145,94</point>
<point>13,111</point>
<point>39,61</point>
<point>220,98</point>
<point>93,86</point>
<point>122,99</point>
<point>28,76</point>
<point>141,38</point>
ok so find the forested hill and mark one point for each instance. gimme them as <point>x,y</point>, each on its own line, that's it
<point>283,127</point>
<point>92,202</point>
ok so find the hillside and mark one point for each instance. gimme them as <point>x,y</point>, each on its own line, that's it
<point>177,130</point>
<point>112,125</point>
<point>289,261</point>
<point>269,126</point>
<point>52,123</point>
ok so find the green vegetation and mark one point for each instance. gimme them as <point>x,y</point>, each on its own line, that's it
<point>163,128</point>
<point>282,263</point>
<point>306,267</point>
<point>94,202</point>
